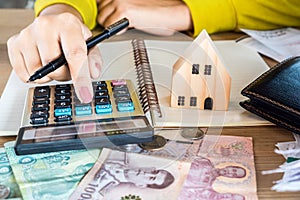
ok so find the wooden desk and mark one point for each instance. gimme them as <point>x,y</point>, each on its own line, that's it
<point>264,137</point>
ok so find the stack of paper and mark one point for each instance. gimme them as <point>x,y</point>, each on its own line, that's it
<point>290,169</point>
<point>278,44</point>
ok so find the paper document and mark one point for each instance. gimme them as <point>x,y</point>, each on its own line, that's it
<point>278,44</point>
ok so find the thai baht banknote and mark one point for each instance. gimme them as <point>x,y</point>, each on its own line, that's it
<point>50,176</point>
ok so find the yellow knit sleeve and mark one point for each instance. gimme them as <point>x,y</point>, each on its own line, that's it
<point>212,15</point>
<point>267,14</point>
<point>231,15</point>
<point>87,8</point>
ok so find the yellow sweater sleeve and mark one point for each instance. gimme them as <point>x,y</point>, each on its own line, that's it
<point>87,8</point>
<point>228,15</point>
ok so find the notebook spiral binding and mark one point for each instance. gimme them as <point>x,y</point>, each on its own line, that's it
<point>147,92</point>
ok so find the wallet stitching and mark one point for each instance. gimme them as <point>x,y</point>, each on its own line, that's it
<point>274,102</point>
<point>275,119</point>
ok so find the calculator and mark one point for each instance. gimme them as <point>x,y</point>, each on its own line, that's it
<point>54,119</point>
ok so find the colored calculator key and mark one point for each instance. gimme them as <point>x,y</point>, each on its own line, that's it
<point>57,106</point>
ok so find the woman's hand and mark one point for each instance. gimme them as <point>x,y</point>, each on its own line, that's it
<point>49,36</point>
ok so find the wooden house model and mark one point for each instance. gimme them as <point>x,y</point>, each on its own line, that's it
<point>200,79</point>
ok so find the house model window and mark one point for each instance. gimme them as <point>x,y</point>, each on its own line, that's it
<point>195,69</point>
<point>200,77</point>
<point>193,101</point>
<point>181,100</point>
<point>207,70</point>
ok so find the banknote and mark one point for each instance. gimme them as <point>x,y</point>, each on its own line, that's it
<point>9,189</point>
<point>50,175</point>
<point>223,169</point>
<point>121,175</point>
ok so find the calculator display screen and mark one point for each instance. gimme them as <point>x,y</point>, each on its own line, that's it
<point>82,129</point>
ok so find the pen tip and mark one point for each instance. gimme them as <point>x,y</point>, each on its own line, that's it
<point>31,79</point>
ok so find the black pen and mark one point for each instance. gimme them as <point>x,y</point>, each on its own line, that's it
<point>60,61</point>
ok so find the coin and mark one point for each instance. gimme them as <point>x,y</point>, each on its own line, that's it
<point>132,148</point>
<point>157,143</point>
<point>192,133</point>
<point>4,192</point>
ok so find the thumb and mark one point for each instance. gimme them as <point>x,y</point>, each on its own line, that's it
<point>86,32</point>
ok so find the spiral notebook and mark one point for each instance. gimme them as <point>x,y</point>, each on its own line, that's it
<point>149,63</point>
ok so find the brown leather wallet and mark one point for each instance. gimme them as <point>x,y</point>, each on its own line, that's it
<point>275,95</point>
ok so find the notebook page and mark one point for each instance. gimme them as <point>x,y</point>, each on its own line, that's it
<point>11,105</point>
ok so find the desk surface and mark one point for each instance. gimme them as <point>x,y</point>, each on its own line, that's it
<point>264,137</point>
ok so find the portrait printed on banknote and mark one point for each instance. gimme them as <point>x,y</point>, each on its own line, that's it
<point>119,174</point>
<point>223,169</point>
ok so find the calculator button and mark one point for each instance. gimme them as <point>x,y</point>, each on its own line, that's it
<point>37,107</point>
<point>100,88</point>
<point>123,99</point>
<point>62,98</point>
<point>120,87</point>
<point>83,109</point>
<point>102,101</point>
<point>44,100</point>
<point>41,92</point>
<point>121,93</point>
<point>62,111</point>
<point>101,93</point>
<point>62,104</point>
<point>118,82</point>
<point>39,120</point>
<point>63,86</point>
<point>59,91</point>
<point>39,113</point>
<point>63,118</point>
<point>102,109</point>
<point>99,83</point>
<point>125,107</point>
